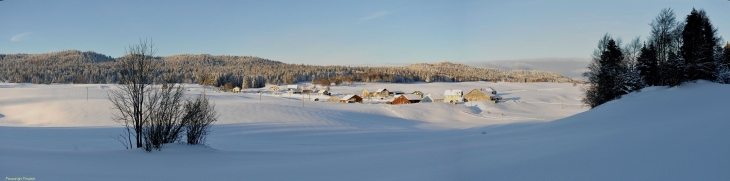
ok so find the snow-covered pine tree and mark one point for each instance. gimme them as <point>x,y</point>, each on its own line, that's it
<point>605,74</point>
<point>698,49</point>
<point>648,66</point>
<point>673,70</point>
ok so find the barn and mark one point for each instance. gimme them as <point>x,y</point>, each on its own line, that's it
<point>406,99</point>
<point>477,95</point>
<point>351,99</point>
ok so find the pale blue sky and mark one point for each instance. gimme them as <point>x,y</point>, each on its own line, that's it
<point>339,32</point>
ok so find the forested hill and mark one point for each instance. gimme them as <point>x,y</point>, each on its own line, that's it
<point>73,66</point>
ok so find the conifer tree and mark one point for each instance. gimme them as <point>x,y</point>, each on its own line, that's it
<point>605,74</point>
<point>698,48</point>
<point>647,63</point>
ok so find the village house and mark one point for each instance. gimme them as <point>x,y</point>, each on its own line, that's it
<point>236,89</point>
<point>453,96</point>
<point>382,92</point>
<point>406,99</point>
<point>354,98</point>
<point>396,93</point>
<point>432,98</point>
<point>274,88</point>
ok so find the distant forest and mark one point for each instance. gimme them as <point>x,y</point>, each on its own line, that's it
<point>72,66</point>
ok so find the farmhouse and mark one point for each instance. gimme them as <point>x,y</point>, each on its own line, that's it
<point>453,96</point>
<point>432,98</point>
<point>274,88</point>
<point>382,92</point>
<point>406,99</point>
<point>236,89</point>
<point>351,99</point>
<point>396,93</point>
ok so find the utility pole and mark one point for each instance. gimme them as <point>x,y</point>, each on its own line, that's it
<point>259,95</point>
<point>87,94</point>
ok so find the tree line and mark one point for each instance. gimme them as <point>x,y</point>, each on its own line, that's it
<point>88,67</point>
<point>675,52</point>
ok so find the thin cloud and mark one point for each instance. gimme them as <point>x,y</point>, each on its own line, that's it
<point>375,15</point>
<point>21,37</point>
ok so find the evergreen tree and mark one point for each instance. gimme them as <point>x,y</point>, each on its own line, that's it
<point>724,59</point>
<point>648,66</point>
<point>605,74</point>
<point>698,48</point>
<point>673,71</point>
<point>723,65</point>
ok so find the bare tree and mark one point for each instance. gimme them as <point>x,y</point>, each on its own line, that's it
<point>165,121</point>
<point>136,71</point>
<point>199,116</point>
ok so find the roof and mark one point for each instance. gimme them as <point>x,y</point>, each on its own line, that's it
<point>397,91</point>
<point>381,90</point>
<point>434,97</point>
<point>453,93</point>
<point>348,97</point>
<point>411,97</point>
<point>292,87</point>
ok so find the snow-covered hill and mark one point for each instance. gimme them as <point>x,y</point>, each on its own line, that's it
<point>51,132</point>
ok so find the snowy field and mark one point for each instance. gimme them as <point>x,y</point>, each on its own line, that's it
<point>540,132</point>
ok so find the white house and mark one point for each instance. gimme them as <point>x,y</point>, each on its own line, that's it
<point>453,96</point>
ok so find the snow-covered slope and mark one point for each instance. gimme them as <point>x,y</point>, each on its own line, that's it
<point>657,134</point>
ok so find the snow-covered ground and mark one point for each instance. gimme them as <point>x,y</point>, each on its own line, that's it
<point>540,132</point>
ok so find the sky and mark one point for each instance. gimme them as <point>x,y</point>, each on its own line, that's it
<point>337,32</point>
